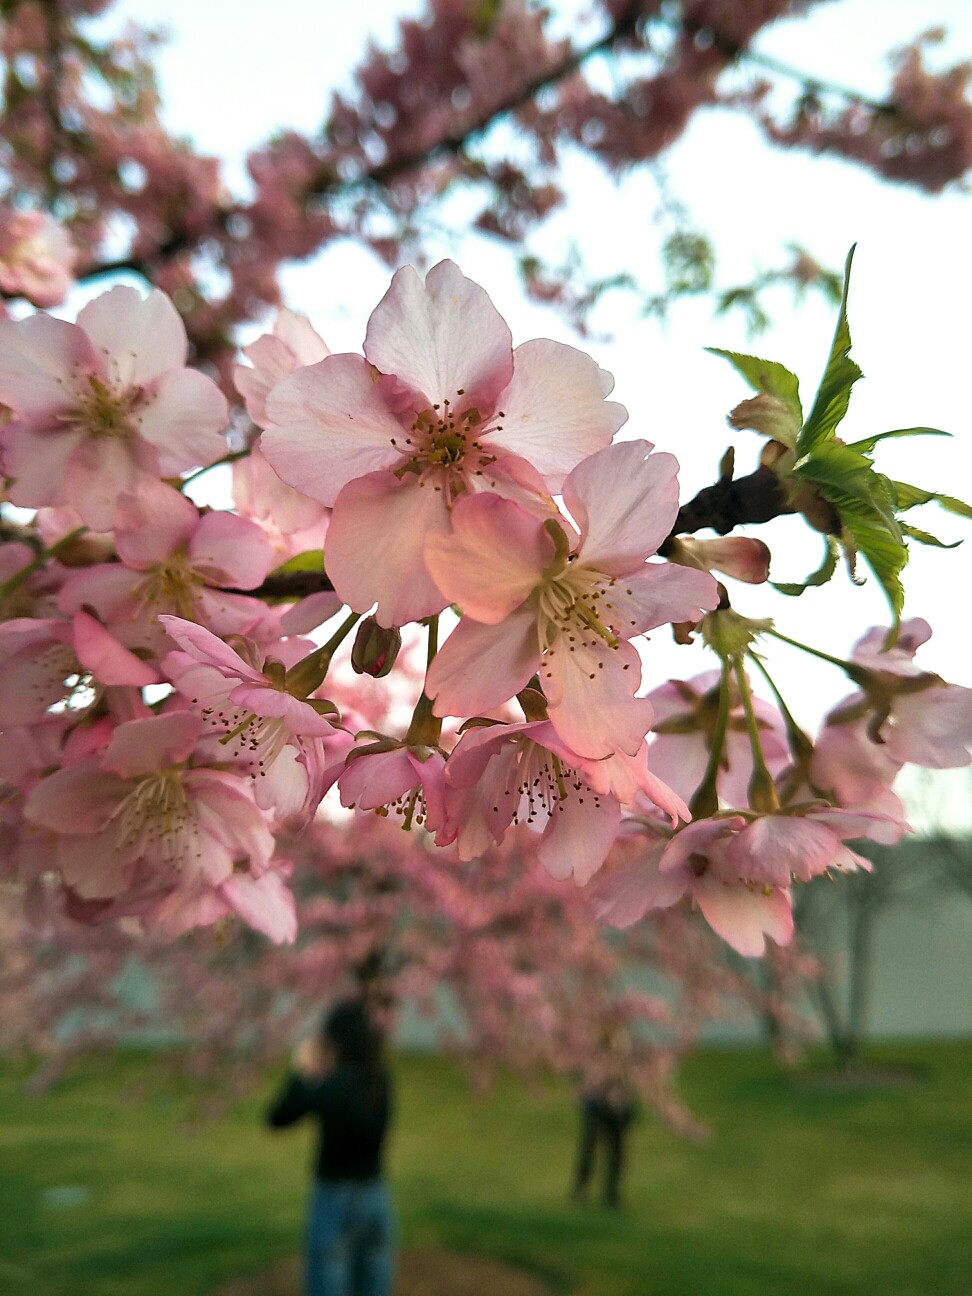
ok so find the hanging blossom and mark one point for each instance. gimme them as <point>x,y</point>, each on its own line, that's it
<point>100,405</point>
<point>140,817</point>
<point>915,715</point>
<point>738,869</point>
<point>502,775</point>
<point>439,405</point>
<point>539,596</point>
<point>686,716</point>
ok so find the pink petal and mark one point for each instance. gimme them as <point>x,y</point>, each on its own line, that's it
<point>38,358</point>
<point>592,702</point>
<point>153,523</point>
<point>140,337</point>
<point>300,718</point>
<point>330,425</point>
<point>76,800</point>
<point>624,500</point>
<point>494,558</point>
<point>38,461</point>
<point>629,892</point>
<point>579,835</point>
<point>265,903</point>
<point>184,420</point>
<point>310,612</point>
<point>100,470</point>
<point>376,543</point>
<point>481,666</point>
<point>230,550</point>
<point>208,648</point>
<point>148,746</point>
<point>775,847</point>
<point>665,592</point>
<point>106,659</point>
<point>441,338</point>
<point>377,779</point>
<point>554,411</point>
<point>743,917</point>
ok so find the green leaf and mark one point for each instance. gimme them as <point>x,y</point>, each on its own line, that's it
<point>831,401</point>
<point>766,376</point>
<point>907,496</point>
<point>866,532</point>
<point>311,561</point>
<point>926,538</point>
<point>869,443</point>
<point>840,472</point>
<point>820,577</point>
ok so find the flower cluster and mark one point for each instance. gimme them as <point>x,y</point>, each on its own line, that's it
<point>175,693</point>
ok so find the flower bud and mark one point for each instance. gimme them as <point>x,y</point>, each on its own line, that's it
<point>375,648</point>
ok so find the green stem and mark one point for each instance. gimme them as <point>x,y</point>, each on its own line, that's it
<point>433,624</point>
<point>309,674</point>
<point>845,666</point>
<point>705,802</point>
<point>25,573</point>
<point>800,744</point>
<point>217,463</point>
<point>762,789</point>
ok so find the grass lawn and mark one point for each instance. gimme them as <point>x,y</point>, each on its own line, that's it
<point>107,1189</point>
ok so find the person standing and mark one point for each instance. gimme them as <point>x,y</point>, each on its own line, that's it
<point>606,1111</point>
<point>341,1081</point>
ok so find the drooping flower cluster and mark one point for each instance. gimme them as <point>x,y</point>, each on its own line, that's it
<point>175,692</point>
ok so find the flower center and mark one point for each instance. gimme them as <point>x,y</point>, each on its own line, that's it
<point>103,411</point>
<point>584,607</point>
<point>545,785</point>
<point>156,816</point>
<point>442,446</point>
<point>171,585</point>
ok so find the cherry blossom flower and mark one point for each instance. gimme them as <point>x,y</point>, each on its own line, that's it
<point>919,718</point>
<point>404,779</point>
<point>142,810</point>
<point>103,403</point>
<point>173,560</point>
<point>743,915</point>
<point>242,697</point>
<point>439,405</point>
<point>502,775</point>
<point>531,603</point>
<point>37,257</point>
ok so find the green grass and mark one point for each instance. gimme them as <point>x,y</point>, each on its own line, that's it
<point>800,1192</point>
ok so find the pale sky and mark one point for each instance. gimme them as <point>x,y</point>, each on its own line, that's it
<point>235,70</point>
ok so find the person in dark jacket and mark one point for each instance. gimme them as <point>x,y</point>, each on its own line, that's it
<point>341,1080</point>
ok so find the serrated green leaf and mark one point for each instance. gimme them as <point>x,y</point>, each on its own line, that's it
<point>867,533</point>
<point>926,538</point>
<point>820,577</point>
<point>868,443</point>
<point>833,397</point>
<point>840,472</point>
<point>310,561</point>
<point>908,496</point>
<point>766,376</point>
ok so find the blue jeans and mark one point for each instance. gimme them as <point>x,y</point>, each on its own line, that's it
<point>350,1239</point>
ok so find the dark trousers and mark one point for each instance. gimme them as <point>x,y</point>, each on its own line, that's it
<point>604,1125</point>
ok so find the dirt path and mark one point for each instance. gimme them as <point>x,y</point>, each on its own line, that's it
<point>421,1273</point>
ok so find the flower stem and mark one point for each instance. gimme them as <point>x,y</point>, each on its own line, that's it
<point>762,790</point>
<point>705,802</point>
